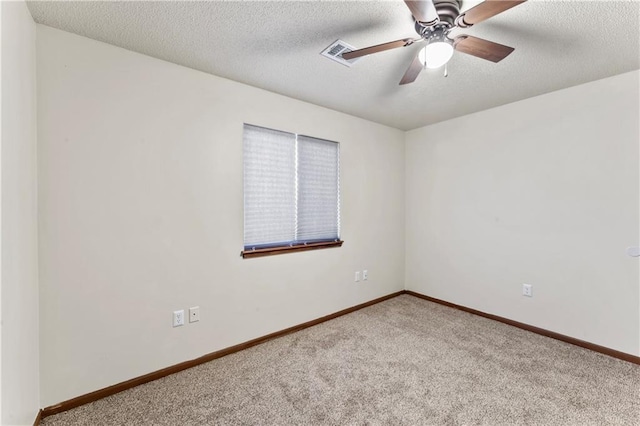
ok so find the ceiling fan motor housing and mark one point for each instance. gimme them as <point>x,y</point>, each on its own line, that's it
<point>448,11</point>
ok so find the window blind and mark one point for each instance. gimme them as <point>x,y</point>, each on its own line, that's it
<point>269,186</point>
<point>318,189</point>
<point>291,189</point>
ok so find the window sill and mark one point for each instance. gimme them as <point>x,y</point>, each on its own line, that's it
<point>289,249</point>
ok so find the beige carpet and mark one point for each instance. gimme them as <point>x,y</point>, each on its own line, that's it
<point>405,361</point>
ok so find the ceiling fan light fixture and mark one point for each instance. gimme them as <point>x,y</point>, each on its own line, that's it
<point>434,20</point>
<point>436,53</point>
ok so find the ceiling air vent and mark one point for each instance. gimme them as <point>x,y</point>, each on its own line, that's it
<point>335,51</point>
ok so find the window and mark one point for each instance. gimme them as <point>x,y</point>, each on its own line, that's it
<point>291,192</point>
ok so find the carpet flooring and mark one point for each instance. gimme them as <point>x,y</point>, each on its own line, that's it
<point>405,361</point>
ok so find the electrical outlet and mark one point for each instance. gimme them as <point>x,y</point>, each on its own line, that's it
<point>178,318</point>
<point>357,276</point>
<point>194,314</point>
<point>365,275</point>
<point>527,290</point>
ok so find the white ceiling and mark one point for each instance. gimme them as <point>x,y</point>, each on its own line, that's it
<point>276,46</point>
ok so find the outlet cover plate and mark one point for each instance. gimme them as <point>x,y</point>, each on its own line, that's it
<point>194,314</point>
<point>527,290</point>
<point>178,318</point>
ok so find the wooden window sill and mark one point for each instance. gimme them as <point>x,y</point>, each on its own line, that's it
<point>289,249</point>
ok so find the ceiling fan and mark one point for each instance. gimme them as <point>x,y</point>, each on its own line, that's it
<point>434,19</point>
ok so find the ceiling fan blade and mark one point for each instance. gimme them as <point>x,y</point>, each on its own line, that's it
<point>412,72</point>
<point>481,48</point>
<point>377,48</point>
<point>485,10</point>
<point>423,11</point>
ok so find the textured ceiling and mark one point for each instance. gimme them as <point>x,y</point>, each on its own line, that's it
<point>276,46</point>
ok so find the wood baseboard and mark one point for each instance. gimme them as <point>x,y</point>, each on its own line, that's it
<point>38,419</point>
<point>111,390</point>
<point>567,339</point>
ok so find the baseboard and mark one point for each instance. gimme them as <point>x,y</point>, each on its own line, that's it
<point>36,422</point>
<point>567,339</point>
<point>111,390</point>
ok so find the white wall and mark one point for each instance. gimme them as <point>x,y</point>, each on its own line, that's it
<point>544,191</point>
<point>20,381</point>
<point>140,193</point>
<point>1,214</point>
